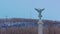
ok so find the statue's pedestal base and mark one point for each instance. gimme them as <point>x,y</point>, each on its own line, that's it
<point>40,27</point>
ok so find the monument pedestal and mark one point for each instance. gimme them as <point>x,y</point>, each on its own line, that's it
<point>40,27</point>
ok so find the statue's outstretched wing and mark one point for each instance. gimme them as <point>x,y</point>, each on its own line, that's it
<point>37,10</point>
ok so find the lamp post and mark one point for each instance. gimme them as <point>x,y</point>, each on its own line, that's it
<point>40,23</point>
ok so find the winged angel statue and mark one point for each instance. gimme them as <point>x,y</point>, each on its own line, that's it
<point>39,11</point>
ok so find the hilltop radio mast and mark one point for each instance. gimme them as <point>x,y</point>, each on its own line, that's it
<point>40,23</point>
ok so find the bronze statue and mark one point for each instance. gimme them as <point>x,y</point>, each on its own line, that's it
<point>39,11</point>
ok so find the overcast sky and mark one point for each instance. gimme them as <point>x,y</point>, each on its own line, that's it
<point>25,9</point>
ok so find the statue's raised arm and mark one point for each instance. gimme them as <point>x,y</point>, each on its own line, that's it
<point>39,11</point>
